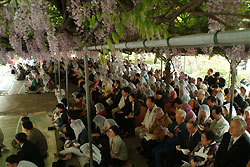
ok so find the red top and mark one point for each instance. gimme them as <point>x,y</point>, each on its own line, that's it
<point>102,113</point>
<point>248,124</point>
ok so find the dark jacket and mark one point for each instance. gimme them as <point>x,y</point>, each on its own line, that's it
<point>238,155</point>
<point>38,139</point>
<point>190,144</point>
<point>177,131</point>
<point>127,108</point>
<point>238,99</point>
<point>137,108</point>
<point>30,152</point>
<point>83,137</point>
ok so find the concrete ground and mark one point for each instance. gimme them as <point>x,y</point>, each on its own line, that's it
<point>14,104</point>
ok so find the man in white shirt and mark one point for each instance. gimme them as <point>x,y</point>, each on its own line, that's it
<point>121,104</point>
<point>219,125</point>
<point>148,119</point>
<point>13,161</point>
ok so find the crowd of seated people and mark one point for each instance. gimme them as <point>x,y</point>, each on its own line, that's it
<point>187,124</point>
<point>36,79</point>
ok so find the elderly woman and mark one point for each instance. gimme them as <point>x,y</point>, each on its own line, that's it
<point>203,153</point>
<point>204,119</point>
<point>107,85</point>
<point>226,110</point>
<point>97,156</point>
<point>99,121</point>
<point>189,113</point>
<point>219,99</point>
<point>73,147</point>
<point>100,110</point>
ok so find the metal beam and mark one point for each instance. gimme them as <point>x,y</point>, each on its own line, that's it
<point>228,38</point>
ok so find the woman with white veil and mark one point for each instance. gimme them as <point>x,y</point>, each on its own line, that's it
<point>204,119</point>
<point>108,123</point>
<point>97,156</point>
<point>226,111</point>
<point>99,122</point>
<point>220,98</point>
<point>73,147</point>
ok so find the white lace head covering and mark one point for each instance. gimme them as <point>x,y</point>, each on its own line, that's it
<point>99,121</point>
<point>193,88</point>
<point>220,96</point>
<point>109,122</point>
<point>99,107</point>
<point>205,109</point>
<point>227,106</point>
<point>77,125</point>
<point>97,156</point>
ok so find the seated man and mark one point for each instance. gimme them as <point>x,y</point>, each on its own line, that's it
<point>234,149</point>
<point>161,124</point>
<point>29,151</point>
<point>189,140</point>
<point>36,137</point>
<point>201,99</point>
<point>14,161</point>
<point>172,140</point>
<point>219,125</point>
<point>148,119</point>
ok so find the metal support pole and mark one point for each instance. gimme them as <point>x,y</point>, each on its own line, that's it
<point>59,77</point>
<point>184,64</point>
<point>229,79</point>
<point>161,70</point>
<point>233,80</point>
<point>67,86</point>
<point>88,108</point>
<point>55,75</point>
<point>128,65</point>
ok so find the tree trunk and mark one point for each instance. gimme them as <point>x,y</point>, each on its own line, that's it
<point>168,74</point>
<point>233,71</point>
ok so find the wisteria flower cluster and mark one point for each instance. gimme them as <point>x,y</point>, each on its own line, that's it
<point>222,9</point>
<point>237,53</point>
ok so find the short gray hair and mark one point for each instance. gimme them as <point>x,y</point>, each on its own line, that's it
<point>158,110</point>
<point>182,113</point>
<point>242,122</point>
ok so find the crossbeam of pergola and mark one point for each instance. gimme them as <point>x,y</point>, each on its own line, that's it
<point>228,38</point>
